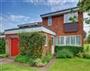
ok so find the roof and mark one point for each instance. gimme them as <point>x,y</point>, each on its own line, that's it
<point>30,24</point>
<point>33,29</point>
<point>59,12</point>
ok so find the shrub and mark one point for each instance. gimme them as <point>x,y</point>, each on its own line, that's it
<point>38,62</point>
<point>31,61</point>
<point>74,49</point>
<point>64,53</point>
<point>86,55</point>
<point>22,59</point>
<point>2,46</point>
<point>47,58</point>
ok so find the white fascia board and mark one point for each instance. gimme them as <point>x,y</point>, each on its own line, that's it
<point>2,36</point>
<point>35,29</point>
<point>57,13</point>
<point>48,31</point>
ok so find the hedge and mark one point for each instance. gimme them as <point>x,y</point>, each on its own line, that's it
<point>74,49</point>
<point>2,46</point>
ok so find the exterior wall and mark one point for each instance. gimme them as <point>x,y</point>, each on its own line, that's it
<point>58,25</point>
<point>8,42</point>
<point>49,47</point>
<point>46,48</point>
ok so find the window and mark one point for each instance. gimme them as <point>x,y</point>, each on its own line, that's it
<point>57,41</point>
<point>73,40</point>
<point>77,40</point>
<point>61,40</point>
<point>49,21</point>
<point>68,15</point>
<point>67,40</point>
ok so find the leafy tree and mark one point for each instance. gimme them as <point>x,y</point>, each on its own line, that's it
<point>84,6</point>
<point>2,46</point>
<point>88,38</point>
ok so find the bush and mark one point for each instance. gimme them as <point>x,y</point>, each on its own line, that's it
<point>31,61</point>
<point>38,62</point>
<point>74,49</point>
<point>86,55</point>
<point>64,53</point>
<point>22,59</point>
<point>47,58</point>
<point>2,46</point>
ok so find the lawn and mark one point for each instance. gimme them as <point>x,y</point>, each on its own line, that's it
<point>16,67</point>
<point>76,64</point>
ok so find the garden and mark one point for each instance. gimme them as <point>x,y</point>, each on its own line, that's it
<point>32,58</point>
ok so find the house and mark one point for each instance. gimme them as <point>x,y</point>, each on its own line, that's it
<point>55,25</point>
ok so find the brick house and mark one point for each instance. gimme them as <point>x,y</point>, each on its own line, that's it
<point>55,25</point>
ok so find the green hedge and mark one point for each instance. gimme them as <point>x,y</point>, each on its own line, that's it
<point>74,49</point>
<point>2,46</point>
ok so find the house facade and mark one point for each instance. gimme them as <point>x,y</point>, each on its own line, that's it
<point>67,32</point>
<point>57,27</point>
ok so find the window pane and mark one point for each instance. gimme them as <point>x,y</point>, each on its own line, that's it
<point>49,20</point>
<point>56,40</point>
<point>68,15</point>
<point>67,40</point>
<point>72,40</point>
<point>77,40</point>
<point>61,40</point>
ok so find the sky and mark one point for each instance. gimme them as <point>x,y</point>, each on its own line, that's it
<point>15,12</point>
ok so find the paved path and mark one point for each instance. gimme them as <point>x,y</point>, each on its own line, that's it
<point>47,66</point>
<point>6,60</point>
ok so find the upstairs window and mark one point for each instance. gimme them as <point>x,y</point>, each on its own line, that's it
<point>49,21</point>
<point>70,17</point>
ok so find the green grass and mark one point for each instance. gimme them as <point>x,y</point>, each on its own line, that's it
<point>76,64</point>
<point>16,67</point>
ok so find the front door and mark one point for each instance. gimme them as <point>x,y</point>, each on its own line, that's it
<point>14,46</point>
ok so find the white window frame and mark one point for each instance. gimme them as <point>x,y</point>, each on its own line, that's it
<point>70,40</point>
<point>49,21</point>
<point>68,15</point>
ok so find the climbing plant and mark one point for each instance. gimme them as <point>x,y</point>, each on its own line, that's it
<point>31,44</point>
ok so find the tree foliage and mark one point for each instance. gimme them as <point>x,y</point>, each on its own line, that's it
<point>84,5</point>
<point>88,38</point>
<point>2,46</point>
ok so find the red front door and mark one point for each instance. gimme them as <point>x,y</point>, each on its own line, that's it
<point>14,46</point>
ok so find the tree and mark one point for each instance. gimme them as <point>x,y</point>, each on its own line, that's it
<point>84,6</point>
<point>88,38</point>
